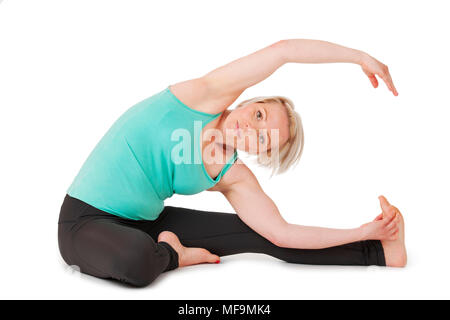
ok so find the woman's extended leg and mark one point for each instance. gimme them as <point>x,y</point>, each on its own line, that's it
<point>226,234</point>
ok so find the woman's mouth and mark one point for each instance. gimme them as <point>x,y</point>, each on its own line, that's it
<point>237,129</point>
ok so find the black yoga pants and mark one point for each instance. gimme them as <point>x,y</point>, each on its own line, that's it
<point>107,246</point>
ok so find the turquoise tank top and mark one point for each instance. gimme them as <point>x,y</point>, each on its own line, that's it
<point>151,152</point>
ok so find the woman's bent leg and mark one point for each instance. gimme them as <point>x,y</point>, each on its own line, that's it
<point>104,246</point>
<point>226,234</point>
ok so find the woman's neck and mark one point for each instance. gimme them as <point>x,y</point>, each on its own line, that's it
<point>220,125</point>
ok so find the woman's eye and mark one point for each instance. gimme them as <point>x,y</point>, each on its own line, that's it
<point>258,115</point>
<point>261,139</point>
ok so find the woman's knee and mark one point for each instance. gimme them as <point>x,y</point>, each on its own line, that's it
<point>137,266</point>
<point>113,252</point>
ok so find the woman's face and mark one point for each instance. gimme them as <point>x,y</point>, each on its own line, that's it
<point>257,127</point>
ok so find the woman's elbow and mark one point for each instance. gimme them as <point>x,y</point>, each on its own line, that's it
<point>278,239</point>
<point>281,47</point>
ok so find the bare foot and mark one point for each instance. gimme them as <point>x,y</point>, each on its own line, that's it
<point>187,256</point>
<point>394,250</point>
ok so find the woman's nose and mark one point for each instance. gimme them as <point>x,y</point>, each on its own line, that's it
<point>247,127</point>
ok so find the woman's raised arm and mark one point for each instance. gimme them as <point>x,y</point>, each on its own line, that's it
<point>218,89</point>
<point>226,83</point>
<point>215,91</point>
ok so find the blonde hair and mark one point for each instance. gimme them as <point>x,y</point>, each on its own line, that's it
<point>290,153</point>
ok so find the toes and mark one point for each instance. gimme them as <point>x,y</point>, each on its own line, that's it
<point>388,209</point>
<point>390,212</point>
<point>384,203</point>
<point>211,258</point>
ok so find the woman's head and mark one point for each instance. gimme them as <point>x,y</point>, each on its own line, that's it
<point>270,128</point>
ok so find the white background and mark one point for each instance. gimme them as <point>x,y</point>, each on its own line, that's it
<point>69,69</point>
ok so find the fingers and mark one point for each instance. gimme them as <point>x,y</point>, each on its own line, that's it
<point>386,76</point>
<point>394,90</point>
<point>394,235</point>
<point>389,222</point>
<point>392,228</point>
<point>392,224</point>
<point>379,217</point>
<point>372,67</point>
<point>372,78</point>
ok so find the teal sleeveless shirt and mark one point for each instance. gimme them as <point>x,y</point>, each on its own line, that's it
<point>151,152</point>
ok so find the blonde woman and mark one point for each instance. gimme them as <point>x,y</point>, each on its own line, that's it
<point>184,140</point>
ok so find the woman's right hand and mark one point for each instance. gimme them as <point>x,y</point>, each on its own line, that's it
<point>372,67</point>
<point>385,225</point>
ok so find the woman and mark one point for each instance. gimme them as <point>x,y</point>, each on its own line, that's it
<point>113,222</point>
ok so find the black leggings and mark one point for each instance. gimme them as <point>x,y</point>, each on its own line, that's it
<point>108,246</point>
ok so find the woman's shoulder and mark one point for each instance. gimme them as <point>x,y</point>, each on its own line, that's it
<point>194,94</point>
<point>198,95</point>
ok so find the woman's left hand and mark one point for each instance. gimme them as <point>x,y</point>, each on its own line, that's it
<point>372,67</point>
<point>385,225</point>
